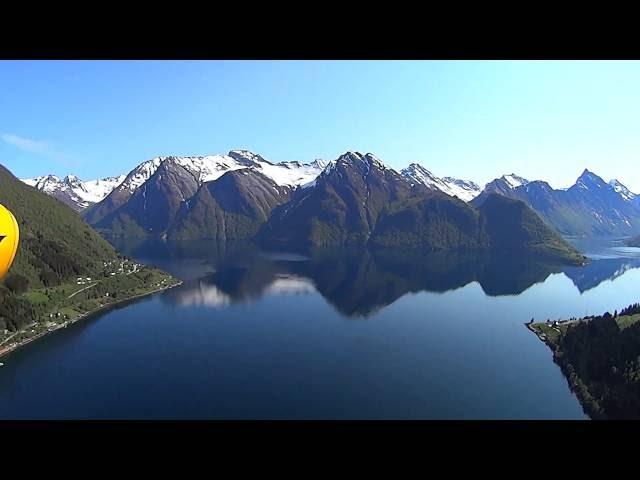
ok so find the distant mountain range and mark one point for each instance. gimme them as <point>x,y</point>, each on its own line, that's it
<point>353,200</point>
<point>241,195</point>
<point>590,207</point>
<point>74,192</point>
<point>80,194</point>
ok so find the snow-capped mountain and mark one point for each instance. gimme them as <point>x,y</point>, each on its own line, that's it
<point>463,189</point>
<point>590,207</point>
<point>80,194</point>
<point>74,192</point>
<point>205,169</point>
<point>211,167</point>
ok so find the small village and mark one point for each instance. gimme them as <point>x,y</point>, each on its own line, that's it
<point>112,268</point>
<point>552,327</point>
<point>67,313</point>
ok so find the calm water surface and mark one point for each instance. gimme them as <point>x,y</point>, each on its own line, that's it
<point>328,335</point>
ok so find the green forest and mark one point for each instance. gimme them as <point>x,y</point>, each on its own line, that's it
<point>600,356</point>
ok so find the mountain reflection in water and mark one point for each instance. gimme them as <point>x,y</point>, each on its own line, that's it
<point>357,282</point>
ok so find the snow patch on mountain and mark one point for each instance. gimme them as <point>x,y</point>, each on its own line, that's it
<point>95,190</point>
<point>514,181</point>
<point>623,191</point>
<point>290,174</point>
<point>465,190</point>
<point>211,167</point>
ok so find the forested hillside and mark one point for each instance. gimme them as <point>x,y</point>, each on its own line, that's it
<point>56,246</point>
<point>600,357</point>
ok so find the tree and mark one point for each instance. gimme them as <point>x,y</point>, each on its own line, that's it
<point>49,279</point>
<point>17,283</point>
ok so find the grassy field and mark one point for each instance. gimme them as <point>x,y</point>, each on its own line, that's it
<point>37,297</point>
<point>553,332</point>
<point>549,331</point>
<point>627,320</point>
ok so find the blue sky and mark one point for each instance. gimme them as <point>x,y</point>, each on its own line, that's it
<point>475,120</point>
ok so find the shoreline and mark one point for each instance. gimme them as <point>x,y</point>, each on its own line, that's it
<point>9,349</point>
<point>576,387</point>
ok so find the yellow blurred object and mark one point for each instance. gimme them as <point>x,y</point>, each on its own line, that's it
<point>9,238</point>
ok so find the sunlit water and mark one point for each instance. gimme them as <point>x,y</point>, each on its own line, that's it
<point>362,335</point>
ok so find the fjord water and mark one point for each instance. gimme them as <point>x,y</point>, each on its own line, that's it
<point>328,335</point>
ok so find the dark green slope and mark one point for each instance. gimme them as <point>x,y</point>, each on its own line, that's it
<point>511,226</point>
<point>55,243</point>
<point>435,221</point>
<point>634,242</point>
<point>432,221</point>
<point>232,207</point>
<point>600,357</point>
<point>55,247</point>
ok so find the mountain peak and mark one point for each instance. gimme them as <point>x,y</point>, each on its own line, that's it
<point>72,180</point>
<point>370,158</point>
<point>416,174</point>
<point>247,157</point>
<point>47,182</point>
<point>416,167</point>
<point>589,174</point>
<point>319,163</point>
<point>514,180</point>
<point>350,156</point>
<point>589,178</point>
